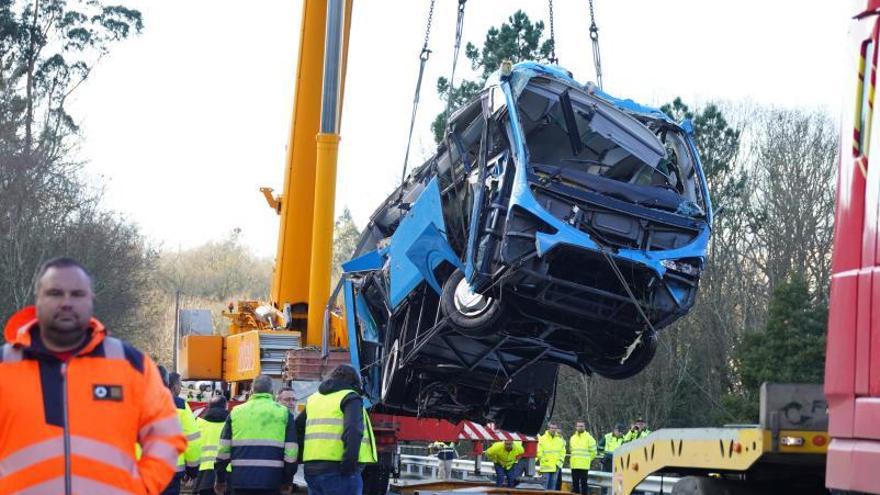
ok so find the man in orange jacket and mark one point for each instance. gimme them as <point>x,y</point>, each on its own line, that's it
<point>74,401</point>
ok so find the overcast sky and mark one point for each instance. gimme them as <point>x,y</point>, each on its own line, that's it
<point>184,123</point>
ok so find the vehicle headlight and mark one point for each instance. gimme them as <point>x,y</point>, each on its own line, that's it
<point>680,266</point>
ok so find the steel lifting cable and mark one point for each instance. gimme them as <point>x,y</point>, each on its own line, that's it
<point>459,28</point>
<point>423,58</point>
<point>620,277</point>
<point>594,37</point>
<point>553,59</point>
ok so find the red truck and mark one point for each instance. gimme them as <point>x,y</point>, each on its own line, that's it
<point>852,366</point>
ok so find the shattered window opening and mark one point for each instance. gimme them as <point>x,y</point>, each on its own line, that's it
<point>606,144</point>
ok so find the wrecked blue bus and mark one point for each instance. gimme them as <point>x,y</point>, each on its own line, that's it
<point>555,225</point>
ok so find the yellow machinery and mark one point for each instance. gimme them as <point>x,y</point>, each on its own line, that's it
<point>294,317</point>
<point>787,450</point>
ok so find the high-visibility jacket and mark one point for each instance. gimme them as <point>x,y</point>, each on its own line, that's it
<point>210,432</point>
<point>633,435</point>
<point>324,427</point>
<point>190,457</point>
<point>258,440</point>
<point>551,452</point>
<point>506,458</point>
<point>583,450</point>
<point>70,427</point>
<point>611,443</point>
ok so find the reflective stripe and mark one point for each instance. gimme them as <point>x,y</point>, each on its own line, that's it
<point>331,436</point>
<point>209,448</point>
<point>192,437</point>
<point>225,442</point>
<point>257,463</point>
<point>323,421</point>
<point>208,458</point>
<point>55,485</point>
<point>79,446</point>
<point>10,354</point>
<point>103,452</point>
<point>291,445</point>
<point>222,456</point>
<point>289,459</point>
<point>30,455</point>
<point>113,348</point>
<point>167,427</point>
<point>257,443</point>
<point>322,436</point>
<point>162,451</point>
<point>79,485</point>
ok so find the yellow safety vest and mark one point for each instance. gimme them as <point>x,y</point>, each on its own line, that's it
<point>612,442</point>
<point>210,443</point>
<point>551,452</point>
<point>190,456</point>
<point>324,425</point>
<point>499,455</point>
<point>583,450</point>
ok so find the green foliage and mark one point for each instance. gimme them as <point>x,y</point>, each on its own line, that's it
<point>47,50</point>
<point>517,40</point>
<point>217,271</point>
<point>790,349</point>
<point>718,145</point>
<point>47,207</point>
<point>345,238</point>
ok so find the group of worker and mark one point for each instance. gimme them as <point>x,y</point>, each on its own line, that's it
<point>582,450</point>
<point>83,412</point>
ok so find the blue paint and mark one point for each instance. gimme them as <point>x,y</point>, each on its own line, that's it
<point>566,234</point>
<point>370,261</point>
<point>419,245</point>
<point>351,323</point>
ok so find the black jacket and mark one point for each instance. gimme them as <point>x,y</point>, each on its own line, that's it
<point>352,431</point>
<point>205,479</point>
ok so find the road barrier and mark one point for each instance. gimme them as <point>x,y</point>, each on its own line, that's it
<point>426,467</point>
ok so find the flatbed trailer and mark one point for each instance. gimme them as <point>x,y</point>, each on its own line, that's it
<point>784,454</point>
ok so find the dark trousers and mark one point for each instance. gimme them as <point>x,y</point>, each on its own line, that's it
<point>506,477</point>
<point>559,478</point>
<point>579,481</point>
<point>173,488</point>
<point>335,484</point>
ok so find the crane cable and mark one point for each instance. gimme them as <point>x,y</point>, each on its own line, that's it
<point>459,28</point>
<point>423,58</point>
<point>553,59</point>
<point>594,37</point>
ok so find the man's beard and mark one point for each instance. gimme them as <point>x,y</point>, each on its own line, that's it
<point>64,338</point>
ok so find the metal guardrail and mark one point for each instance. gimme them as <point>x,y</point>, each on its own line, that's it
<point>427,467</point>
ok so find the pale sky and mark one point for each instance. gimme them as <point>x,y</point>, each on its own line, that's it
<point>186,122</point>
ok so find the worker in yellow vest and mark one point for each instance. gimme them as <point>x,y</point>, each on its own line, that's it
<point>551,455</point>
<point>210,426</point>
<point>336,435</point>
<point>505,455</point>
<point>582,449</point>
<point>609,443</point>
<point>188,461</point>
<point>638,430</point>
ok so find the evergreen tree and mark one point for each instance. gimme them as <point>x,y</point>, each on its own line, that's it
<point>517,40</point>
<point>345,238</point>
<point>790,349</point>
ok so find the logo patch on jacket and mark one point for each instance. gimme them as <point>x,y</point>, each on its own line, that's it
<point>107,392</point>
